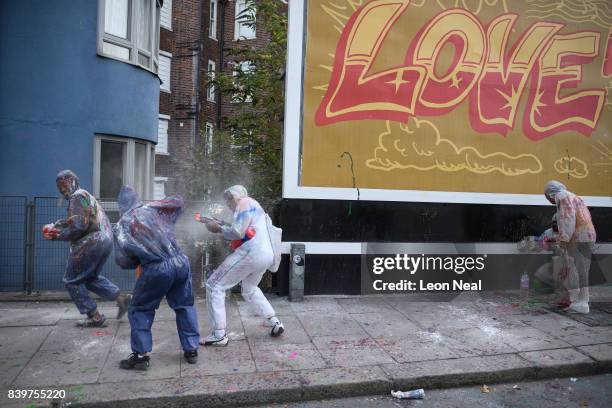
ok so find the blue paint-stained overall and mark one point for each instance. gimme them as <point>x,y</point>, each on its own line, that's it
<point>56,94</point>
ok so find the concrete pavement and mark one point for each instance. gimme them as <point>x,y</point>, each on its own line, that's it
<point>334,346</point>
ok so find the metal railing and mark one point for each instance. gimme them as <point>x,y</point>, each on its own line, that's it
<point>30,263</point>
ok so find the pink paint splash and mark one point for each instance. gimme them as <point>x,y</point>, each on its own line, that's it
<point>293,355</point>
<point>102,333</point>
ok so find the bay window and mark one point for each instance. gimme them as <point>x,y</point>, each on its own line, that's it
<point>128,30</point>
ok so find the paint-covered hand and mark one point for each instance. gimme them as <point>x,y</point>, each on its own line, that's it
<point>212,226</point>
<point>50,232</point>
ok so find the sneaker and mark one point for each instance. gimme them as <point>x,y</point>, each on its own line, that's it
<point>135,362</point>
<point>212,340</point>
<point>123,301</point>
<point>277,330</point>
<point>91,322</point>
<point>191,356</point>
<point>578,308</point>
<point>271,322</point>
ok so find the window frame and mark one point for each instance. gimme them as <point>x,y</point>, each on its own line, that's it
<point>211,74</point>
<point>159,179</point>
<point>129,158</point>
<point>235,72</point>
<point>212,21</point>
<point>208,137</point>
<point>238,24</point>
<point>166,118</point>
<point>165,54</point>
<point>131,44</point>
<point>168,4</point>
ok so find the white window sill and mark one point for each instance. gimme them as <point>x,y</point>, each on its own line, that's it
<point>211,100</point>
<point>162,153</point>
<point>129,63</point>
<point>166,28</point>
<point>165,91</point>
<point>212,38</point>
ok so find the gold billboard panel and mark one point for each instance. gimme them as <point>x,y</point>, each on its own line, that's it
<point>487,96</point>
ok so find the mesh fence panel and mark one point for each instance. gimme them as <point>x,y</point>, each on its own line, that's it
<point>12,243</point>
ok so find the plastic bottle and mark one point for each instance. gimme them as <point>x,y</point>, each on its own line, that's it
<point>524,293</point>
<point>413,394</point>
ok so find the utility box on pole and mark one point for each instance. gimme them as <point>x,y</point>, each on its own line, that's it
<point>296,272</point>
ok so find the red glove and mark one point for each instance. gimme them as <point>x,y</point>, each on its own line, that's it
<point>50,232</point>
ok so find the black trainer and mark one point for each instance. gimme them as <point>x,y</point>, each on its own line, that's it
<point>277,330</point>
<point>135,362</point>
<point>191,356</point>
<point>92,322</point>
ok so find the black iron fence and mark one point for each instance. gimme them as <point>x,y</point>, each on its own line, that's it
<point>30,263</point>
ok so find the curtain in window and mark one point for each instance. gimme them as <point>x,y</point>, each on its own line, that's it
<point>116,18</point>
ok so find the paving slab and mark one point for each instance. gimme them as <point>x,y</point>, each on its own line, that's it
<point>59,367</point>
<point>22,342</point>
<point>580,334</point>
<point>529,339</point>
<point>365,305</point>
<point>480,341</point>
<point>9,369</point>
<point>256,333</point>
<point>560,362</point>
<point>234,358</point>
<point>350,351</point>
<point>388,342</point>
<point>29,317</point>
<point>165,357</point>
<point>449,372</point>
<point>599,352</point>
<point>316,303</point>
<point>283,357</point>
<point>407,350</point>
<point>66,336</point>
<point>328,324</point>
<point>387,325</point>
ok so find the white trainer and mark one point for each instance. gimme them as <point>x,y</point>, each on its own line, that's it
<point>212,340</point>
<point>579,308</point>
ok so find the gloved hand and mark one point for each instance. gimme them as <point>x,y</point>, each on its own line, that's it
<point>50,232</point>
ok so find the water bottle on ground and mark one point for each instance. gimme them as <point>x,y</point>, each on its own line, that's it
<point>413,394</point>
<point>524,293</point>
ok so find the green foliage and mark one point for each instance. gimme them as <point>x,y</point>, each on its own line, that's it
<point>250,149</point>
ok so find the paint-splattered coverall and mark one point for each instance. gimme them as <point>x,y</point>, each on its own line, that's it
<point>145,236</point>
<point>247,265</point>
<point>91,242</point>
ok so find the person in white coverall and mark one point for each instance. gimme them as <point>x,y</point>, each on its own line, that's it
<point>246,264</point>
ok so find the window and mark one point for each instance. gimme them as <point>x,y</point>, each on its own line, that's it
<point>165,66</point>
<point>212,25</point>
<point>159,188</point>
<point>119,161</point>
<point>210,90</point>
<point>128,30</point>
<point>243,68</point>
<point>165,15</point>
<point>242,30</point>
<point>208,139</point>
<point>162,135</point>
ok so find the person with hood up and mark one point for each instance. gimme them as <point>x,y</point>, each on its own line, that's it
<point>576,235</point>
<point>246,264</point>
<point>91,241</point>
<point>145,237</point>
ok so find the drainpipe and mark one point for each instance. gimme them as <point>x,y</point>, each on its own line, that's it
<point>223,4</point>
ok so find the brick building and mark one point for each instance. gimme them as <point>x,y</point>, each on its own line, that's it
<point>196,38</point>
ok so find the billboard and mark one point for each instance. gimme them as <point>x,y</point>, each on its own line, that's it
<point>449,100</point>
